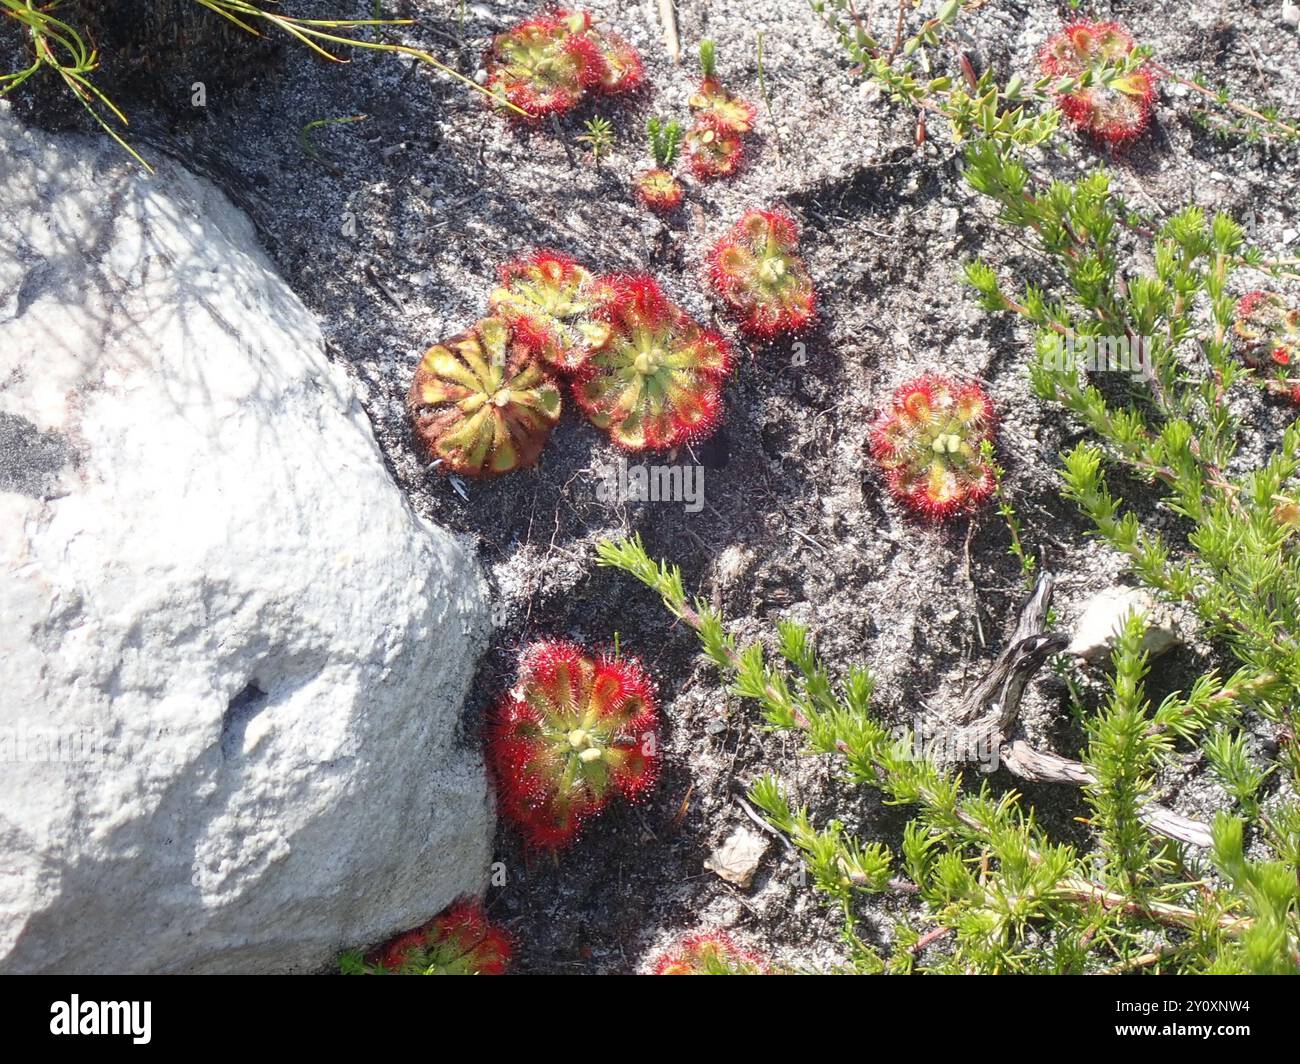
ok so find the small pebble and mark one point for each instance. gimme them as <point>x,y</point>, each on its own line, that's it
<point>737,859</point>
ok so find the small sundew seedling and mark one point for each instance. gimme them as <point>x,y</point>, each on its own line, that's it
<point>757,270</point>
<point>549,301</point>
<point>1104,92</point>
<point>482,403</point>
<point>709,953</point>
<point>656,381</point>
<point>461,941</point>
<point>574,732</point>
<point>656,188</point>
<point>722,109</point>
<point>713,151</point>
<point>713,104</point>
<point>930,443</point>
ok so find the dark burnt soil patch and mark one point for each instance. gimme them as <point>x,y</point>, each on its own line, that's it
<point>394,235</point>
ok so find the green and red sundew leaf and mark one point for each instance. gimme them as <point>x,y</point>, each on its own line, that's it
<point>575,731</point>
<point>482,402</point>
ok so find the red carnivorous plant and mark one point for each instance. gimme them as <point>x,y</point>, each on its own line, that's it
<point>656,188</point>
<point>575,731</point>
<point>930,442</point>
<point>656,381</point>
<point>482,402</point>
<point>757,270</point>
<point>714,145</point>
<point>1107,95</point>
<point>547,63</point>
<point>459,941</point>
<point>548,301</point>
<point>709,953</point>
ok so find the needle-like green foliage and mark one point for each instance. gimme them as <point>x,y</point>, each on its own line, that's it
<point>60,48</point>
<point>996,892</point>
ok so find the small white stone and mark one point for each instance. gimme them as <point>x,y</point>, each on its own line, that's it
<point>1291,13</point>
<point>1103,619</point>
<point>737,859</point>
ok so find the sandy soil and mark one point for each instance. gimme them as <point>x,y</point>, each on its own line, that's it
<point>393,236</point>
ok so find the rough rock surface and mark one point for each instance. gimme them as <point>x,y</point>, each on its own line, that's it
<point>1103,618</point>
<point>738,858</point>
<point>233,659</point>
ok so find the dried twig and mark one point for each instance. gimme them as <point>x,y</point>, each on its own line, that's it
<point>668,16</point>
<point>990,710</point>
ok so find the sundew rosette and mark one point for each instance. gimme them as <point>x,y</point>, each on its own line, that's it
<point>656,381</point>
<point>1112,106</point>
<point>575,731</point>
<point>708,953</point>
<point>929,441</point>
<point>459,941</point>
<point>549,301</point>
<point>482,402</point>
<point>757,270</point>
<point>546,64</point>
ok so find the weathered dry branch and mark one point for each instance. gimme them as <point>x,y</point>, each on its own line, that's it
<point>989,711</point>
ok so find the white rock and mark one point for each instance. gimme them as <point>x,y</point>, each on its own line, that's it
<point>1291,13</point>
<point>1104,616</point>
<point>737,859</point>
<point>232,658</point>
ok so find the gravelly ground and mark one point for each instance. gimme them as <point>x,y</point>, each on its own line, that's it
<point>394,240</point>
